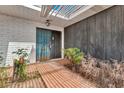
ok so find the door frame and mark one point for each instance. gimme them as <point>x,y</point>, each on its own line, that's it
<point>62,39</point>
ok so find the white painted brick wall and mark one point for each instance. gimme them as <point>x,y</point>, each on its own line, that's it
<point>15,30</point>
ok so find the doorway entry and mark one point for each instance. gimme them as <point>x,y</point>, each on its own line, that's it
<point>48,44</point>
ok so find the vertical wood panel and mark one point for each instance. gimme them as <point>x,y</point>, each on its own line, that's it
<point>99,37</point>
<point>115,33</point>
<point>84,40</point>
<point>102,35</point>
<point>76,36</point>
<point>122,32</point>
<point>92,34</point>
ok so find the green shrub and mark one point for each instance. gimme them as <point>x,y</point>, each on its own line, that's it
<point>74,55</point>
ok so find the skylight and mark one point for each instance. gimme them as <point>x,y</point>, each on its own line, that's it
<point>63,11</point>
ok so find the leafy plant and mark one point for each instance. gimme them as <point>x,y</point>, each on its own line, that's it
<point>74,55</point>
<point>21,52</point>
<point>20,63</point>
<point>22,71</point>
<point>78,58</point>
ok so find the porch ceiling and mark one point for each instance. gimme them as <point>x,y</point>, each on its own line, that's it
<point>62,11</point>
<point>35,15</point>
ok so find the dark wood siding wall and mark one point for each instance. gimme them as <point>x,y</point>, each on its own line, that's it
<point>101,35</point>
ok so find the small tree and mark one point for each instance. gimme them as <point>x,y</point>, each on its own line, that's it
<point>20,63</point>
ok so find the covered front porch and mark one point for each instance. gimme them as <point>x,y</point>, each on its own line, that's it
<point>88,39</point>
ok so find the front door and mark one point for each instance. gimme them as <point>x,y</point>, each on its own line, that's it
<point>48,44</point>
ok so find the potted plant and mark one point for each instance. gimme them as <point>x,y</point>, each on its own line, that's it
<point>20,64</point>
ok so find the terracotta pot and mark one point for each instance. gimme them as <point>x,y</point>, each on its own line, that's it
<point>21,60</point>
